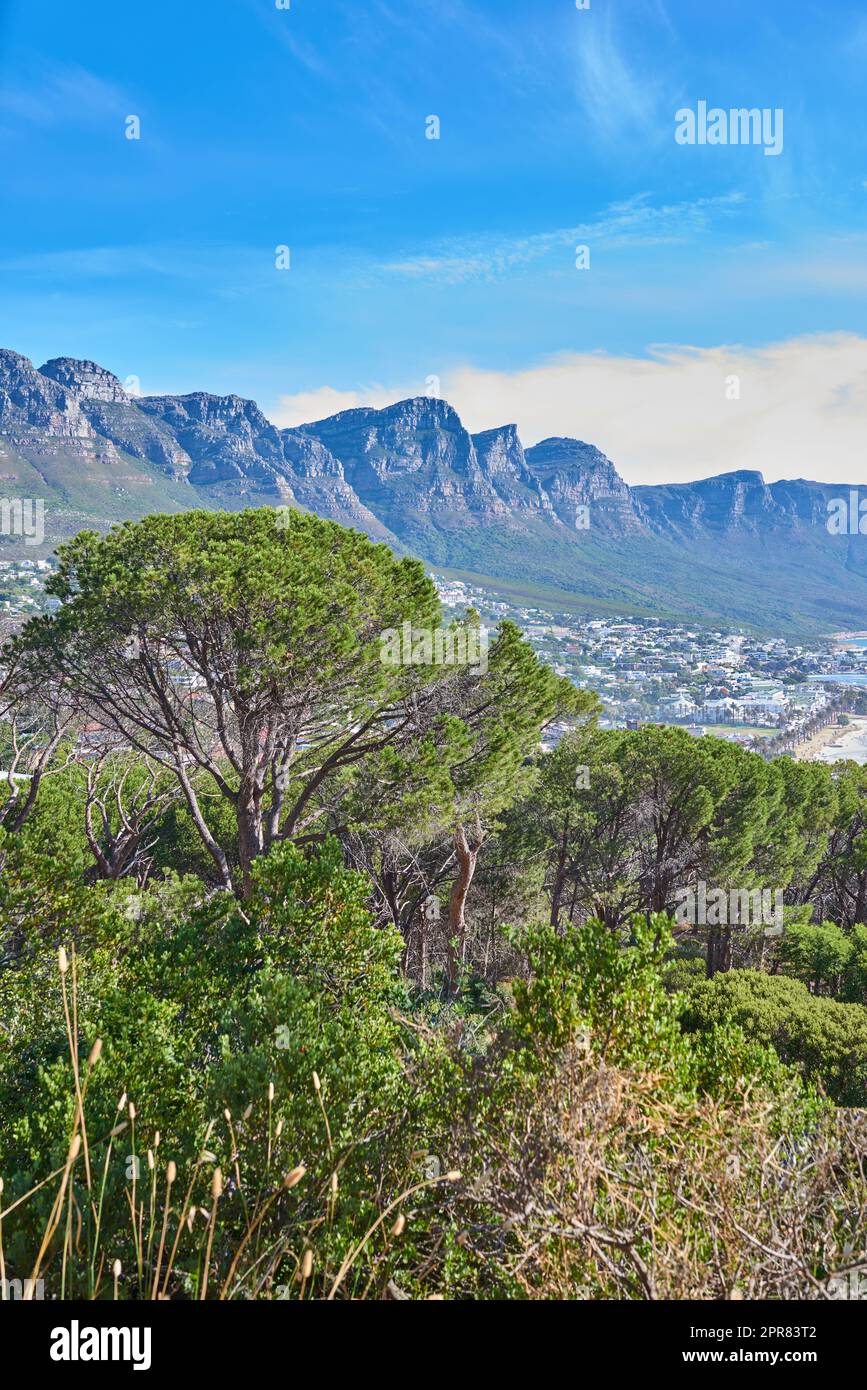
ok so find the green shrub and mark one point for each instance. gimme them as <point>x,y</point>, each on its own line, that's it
<point>826,1040</point>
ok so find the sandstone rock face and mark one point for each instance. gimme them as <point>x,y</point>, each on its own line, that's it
<point>222,447</point>
<point>233,447</point>
<point>503,462</point>
<point>414,438</point>
<point>31,402</point>
<point>225,437</point>
<point>84,379</point>
<point>410,470</point>
<point>308,458</point>
<point>575,475</point>
<point>132,431</point>
<point>115,416</point>
<point>413,464</point>
<point>736,505</point>
<point>803,504</point>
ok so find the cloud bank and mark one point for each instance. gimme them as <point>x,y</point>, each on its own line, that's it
<point>791,409</point>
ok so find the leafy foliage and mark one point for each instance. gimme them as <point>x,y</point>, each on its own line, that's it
<point>319,978</point>
<point>825,1039</point>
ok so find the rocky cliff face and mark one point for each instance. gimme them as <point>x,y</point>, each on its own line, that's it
<point>115,416</point>
<point>32,403</point>
<point>411,463</point>
<point>225,437</point>
<point>308,458</point>
<point>74,424</point>
<point>86,380</point>
<point>407,471</point>
<point>803,503</point>
<point>235,451</point>
<point>412,475</point>
<point>420,437</point>
<point>320,486</point>
<point>504,464</point>
<point>574,475</point>
<point>735,505</point>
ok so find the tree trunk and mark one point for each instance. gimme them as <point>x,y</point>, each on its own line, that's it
<point>719,950</point>
<point>466,853</point>
<point>422,950</point>
<point>215,850</point>
<point>559,880</point>
<point>249,818</point>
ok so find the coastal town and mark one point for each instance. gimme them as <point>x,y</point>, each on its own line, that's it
<point>769,694</point>
<point>22,588</point>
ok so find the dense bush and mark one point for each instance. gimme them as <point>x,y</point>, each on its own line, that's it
<point>248,1045</point>
<point>824,1039</point>
<point>827,958</point>
<point>600,1186</point>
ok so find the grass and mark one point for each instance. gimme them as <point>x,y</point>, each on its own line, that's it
<point>174,1215</point>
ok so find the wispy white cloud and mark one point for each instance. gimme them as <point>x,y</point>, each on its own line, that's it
<point>634,222</point>
<point>226,267</point>
<point>48,94</point>
<point>278,24</point>
<point>615,96</point>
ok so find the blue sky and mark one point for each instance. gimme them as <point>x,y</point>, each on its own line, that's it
<point>413,257</point>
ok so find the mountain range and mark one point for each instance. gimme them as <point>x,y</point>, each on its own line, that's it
<point>553,522</point>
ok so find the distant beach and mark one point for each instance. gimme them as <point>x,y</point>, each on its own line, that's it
<point>851,737</point>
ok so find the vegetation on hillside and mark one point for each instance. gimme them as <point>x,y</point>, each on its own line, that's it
<point>319,979</point>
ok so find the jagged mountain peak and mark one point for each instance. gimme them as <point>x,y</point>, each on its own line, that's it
<point>31,402</point>
<point>738,479</point>
<point>87,379</point>
<point>576,476</point>
<point>17,371</point>
<point>208,409</point>
<point>509,431</point>
<point>563,452</point>
<point>11,361</point>
<point>414,412</point>
<point>227,438</point>
<point>502,442</point>
<point>750,476</point>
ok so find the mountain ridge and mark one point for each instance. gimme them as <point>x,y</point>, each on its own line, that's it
<point>555,514</point>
